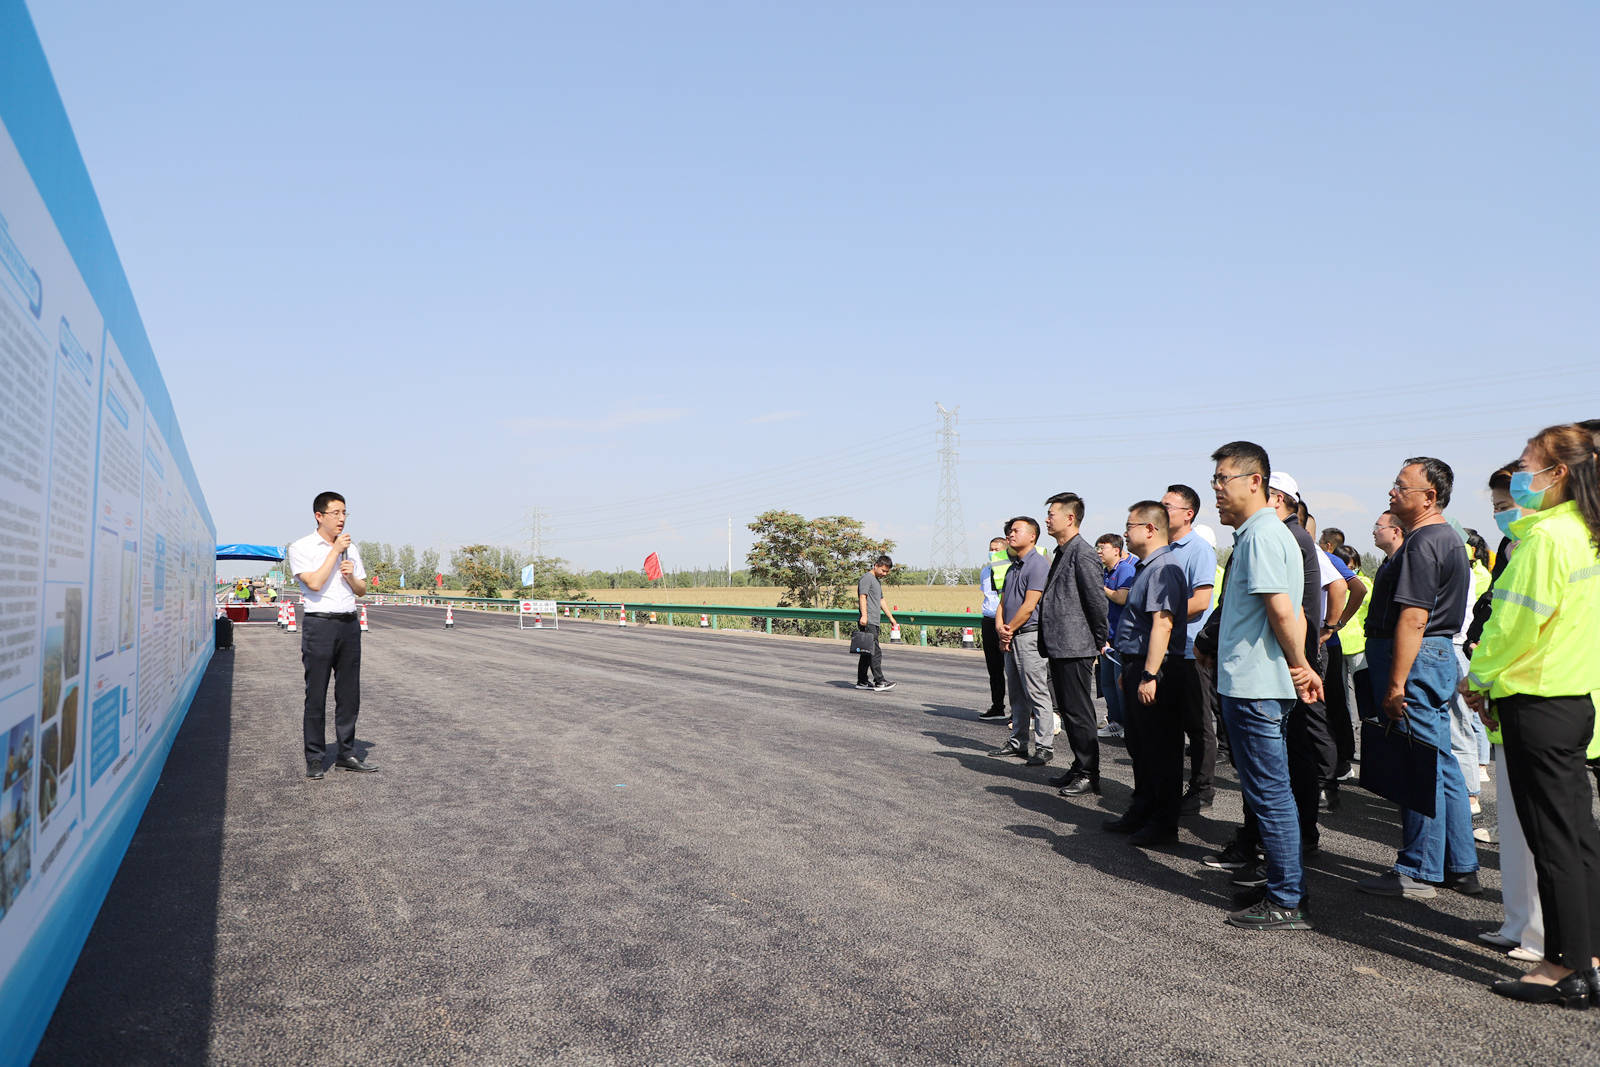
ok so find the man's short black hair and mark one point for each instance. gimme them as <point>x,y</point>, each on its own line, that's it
<point>1027,519</point>
<point>1114,540</point>
<point>1248,456</point>
<point>1191,499</point>
<point>320,505</point>
<point>1152,512</point>
<point>1349,557</point>
<point>1071,501</point>
<point>1334,536</point>
<point>883,561</point>
<point>992,540</point>
<point>1439,475</point>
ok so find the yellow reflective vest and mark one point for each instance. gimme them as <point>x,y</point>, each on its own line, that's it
<point>1545,613</point>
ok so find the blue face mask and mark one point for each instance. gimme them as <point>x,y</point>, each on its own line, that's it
<point>1504,519</point>
<point>1523,492</point>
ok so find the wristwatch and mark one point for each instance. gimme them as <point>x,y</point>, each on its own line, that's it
<point>1146,676</point>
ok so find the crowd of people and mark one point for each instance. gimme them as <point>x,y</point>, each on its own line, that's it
<point>1446,662</point>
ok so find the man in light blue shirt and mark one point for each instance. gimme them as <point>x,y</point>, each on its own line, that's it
<point>1261,667</point>
<point>1198,560</point>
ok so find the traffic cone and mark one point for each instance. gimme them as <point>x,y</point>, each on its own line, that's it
<point>967,640</point>
<point>291,627</point>
<point>449,616</point>
<point>622,618</point>
<point>364,627</point>
<point>538,621</point>
<point>569,611</point>
<point>704,621</point>
<point>652,617</point>
<point>280,613</point>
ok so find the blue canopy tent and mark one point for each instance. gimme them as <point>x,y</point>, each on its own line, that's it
<point>270,553</point>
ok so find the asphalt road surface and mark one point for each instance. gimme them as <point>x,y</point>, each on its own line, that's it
<point>593,845</point>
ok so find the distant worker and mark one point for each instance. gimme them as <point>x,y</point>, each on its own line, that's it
<point>991,580</point>
<point>327,564</point>
<point>869,594</point>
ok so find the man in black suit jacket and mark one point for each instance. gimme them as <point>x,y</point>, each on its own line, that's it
<point>1072,631</point>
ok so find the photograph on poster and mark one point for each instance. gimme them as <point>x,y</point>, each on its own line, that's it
<point>19,753</point>
<point>50,674</point>
<point>69,731</point>
<point>48,774</point>
<point>107,587</point>
<point>14,872</point>
<point>130,592</point>
<point>14,812</point>
<point>72,621</point>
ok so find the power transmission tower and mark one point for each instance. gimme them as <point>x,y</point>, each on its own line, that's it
<point>948,523</point>
<point>536,533</point>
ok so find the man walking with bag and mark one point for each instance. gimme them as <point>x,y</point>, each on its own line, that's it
<point>869,595</point>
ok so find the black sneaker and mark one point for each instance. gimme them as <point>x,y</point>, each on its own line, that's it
<point>1265,915</point>
<point>1466,884</point>
<point>1233,858</point>
<point>868,686</point>
<point>994,714</point>
<point>1041,756</point>
<point>883,686</point>
<point>1252,877</point>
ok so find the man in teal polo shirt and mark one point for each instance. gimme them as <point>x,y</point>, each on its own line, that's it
<point>1261,667</point>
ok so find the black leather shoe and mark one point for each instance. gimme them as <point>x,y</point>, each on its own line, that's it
<point>353,763</point>
<point>1466,884</point>
<point>1010,748</point>
<point>1592,976</point>
<point>1079,784</point>
<point>1147,836</point>
<point>1193,803</point>
<point>1121,825</point>
<point>995,714</point>
<point>1041,756</point>
<point>314,770</point>
<point>1571,992</point>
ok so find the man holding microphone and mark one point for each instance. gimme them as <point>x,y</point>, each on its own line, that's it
<point>328,567</point>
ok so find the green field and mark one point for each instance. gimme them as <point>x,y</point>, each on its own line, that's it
<point>899,597</point>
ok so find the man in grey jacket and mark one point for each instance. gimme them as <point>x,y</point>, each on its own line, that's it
<point>1072,631</point>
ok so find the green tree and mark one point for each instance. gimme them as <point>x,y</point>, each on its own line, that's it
<point>379,559</point>
<point>478,567</point>
<point>406,562</point>
<point>427,568</point>
<point>816,561</point>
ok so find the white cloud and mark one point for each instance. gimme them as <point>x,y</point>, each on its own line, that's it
<point>775,416</point>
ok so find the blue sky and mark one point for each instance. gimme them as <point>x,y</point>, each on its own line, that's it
<point>645,267</point>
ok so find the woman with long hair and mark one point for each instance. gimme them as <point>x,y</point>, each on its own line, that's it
<point>1536,664</point>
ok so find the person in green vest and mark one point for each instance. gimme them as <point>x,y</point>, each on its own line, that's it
<point>992,579</point>
<point>1535,675</point>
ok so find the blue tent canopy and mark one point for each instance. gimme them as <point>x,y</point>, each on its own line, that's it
<point>264,552</point>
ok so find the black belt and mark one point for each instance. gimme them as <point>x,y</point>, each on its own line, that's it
<point>342,616</point>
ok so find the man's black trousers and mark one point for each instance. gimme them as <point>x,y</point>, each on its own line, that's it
<point>1071,684</point>
<point>995,660</point>
<point>331,646</point>
<point>1154,736</point>
<point>1199,719</point>
<point>874,662</point>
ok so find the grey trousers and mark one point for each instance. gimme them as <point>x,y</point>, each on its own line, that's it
<point>1028,682</point>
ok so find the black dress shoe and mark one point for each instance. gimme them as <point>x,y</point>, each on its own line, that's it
<point>1193,803</point>
<point>1592,976</point>
<point>1078,784</point>
<point>995,714</point>
<point>354,763</point>
<point>314,769</point>
<point>1465,883</point>
<point>1571,992</point>
<point>1010,748</point>
<point>1041,756</point>
<point>1122,825</point>
<point>1149,835</point>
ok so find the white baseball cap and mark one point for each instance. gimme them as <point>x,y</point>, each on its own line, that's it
<point>1284,484</point>
<point>1207,534</point>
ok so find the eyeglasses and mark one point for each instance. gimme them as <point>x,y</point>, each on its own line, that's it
<point>336,514</point>
<point>1134,525</point>
<point>1384,526</point>
<point>1397,487</point>
<point>1218,481</point>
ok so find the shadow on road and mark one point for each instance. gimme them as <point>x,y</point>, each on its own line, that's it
<point>145,974</point>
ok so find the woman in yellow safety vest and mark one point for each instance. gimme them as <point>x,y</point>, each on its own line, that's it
<point>1536,662</point>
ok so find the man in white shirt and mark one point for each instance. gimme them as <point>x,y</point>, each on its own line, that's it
<point>328,567</point>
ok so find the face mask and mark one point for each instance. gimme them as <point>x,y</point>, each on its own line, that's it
<point>1523,492</point>
<point>1504,519</point>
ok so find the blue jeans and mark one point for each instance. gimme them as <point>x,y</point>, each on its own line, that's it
<point>1430,846</point>
<point>1109,670</point>
<point>1261,758</point>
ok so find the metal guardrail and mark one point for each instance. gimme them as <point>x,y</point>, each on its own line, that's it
<point>921,621</point>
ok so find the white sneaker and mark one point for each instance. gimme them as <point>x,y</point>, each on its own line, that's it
<point>1520,953</point>
<point>1474,805</point>
<point>1482,836</point>
<point>1483,774</point>
<point>1110,729</point>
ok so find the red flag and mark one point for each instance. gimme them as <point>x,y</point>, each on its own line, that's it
<point>652,567</point>
<point>438,580</point>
